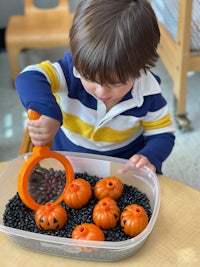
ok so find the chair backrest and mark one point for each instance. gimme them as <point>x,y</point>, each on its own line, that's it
<point>31,8</point>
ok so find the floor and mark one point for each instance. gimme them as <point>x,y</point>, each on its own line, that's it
<point>183,164</point>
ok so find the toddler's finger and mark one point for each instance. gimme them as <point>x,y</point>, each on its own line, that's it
<point>127,167</point>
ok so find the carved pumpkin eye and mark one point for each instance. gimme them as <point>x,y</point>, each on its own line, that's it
<point>50,217</point>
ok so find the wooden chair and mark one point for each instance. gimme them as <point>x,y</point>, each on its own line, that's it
<point>26,144</point>
<point>179,59</point>
<point>37,28</point>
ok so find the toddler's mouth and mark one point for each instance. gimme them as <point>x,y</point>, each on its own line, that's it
<point>104,99</point>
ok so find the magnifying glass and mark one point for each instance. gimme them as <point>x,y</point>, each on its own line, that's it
<point>44,176</point>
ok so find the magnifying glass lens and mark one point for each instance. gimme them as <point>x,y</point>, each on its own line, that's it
<point>46,185</point>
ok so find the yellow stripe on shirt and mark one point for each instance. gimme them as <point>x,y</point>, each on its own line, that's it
<point>75,124</point>
<point>47,67</point>
<point>164,122</point>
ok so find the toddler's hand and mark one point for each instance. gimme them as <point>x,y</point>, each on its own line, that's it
<point>43,130</point>
<point>138,161</point>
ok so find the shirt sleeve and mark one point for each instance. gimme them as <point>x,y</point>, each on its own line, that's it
<point>158,131</point>
<point>157,148</point>
<point>35,92</point>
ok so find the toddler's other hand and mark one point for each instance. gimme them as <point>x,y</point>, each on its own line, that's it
<point>43,130</point>
<point>138,161</point>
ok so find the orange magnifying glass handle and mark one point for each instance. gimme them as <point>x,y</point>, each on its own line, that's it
<point>40,153</point>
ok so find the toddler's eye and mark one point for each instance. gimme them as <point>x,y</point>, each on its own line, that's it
<point>116,85</point>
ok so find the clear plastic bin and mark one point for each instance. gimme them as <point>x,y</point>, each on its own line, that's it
<point>101,166</point>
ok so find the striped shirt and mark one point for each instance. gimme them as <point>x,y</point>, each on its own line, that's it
<point>139,123</point>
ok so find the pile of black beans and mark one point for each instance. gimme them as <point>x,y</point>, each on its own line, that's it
<point>46,185</point>
<point>17,215</point>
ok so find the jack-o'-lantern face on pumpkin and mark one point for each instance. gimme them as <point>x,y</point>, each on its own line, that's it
<point>106,213</point>
<point>50,217</point>
<point>134,219</point>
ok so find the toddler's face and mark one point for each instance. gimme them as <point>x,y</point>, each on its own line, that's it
<point>108,93</point>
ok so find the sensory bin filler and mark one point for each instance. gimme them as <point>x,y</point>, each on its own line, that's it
<point>78,205</point>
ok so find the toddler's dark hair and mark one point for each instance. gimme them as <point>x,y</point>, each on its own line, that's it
<point>113,40</point>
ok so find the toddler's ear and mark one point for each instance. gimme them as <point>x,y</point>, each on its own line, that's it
<point>76,74</point>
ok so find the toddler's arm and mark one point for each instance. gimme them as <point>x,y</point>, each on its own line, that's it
<point>155,151</point>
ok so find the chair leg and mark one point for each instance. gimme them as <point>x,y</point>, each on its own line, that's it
<point>13,57</point>
<point>180,90</point>
<point>26,144</point>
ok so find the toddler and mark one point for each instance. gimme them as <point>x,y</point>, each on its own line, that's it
<point>102,97</point>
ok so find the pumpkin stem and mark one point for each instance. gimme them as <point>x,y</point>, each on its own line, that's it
<point>74,187</point>
<point>105,205</point>
<point>110,185</point>
<point>83,230</point>
<point>49,206</point>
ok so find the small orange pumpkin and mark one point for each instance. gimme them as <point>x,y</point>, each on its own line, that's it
<point>133,219</point>
<point>106,213</point>
<point>108,187</point>
<point>78,193</point>
<point>50,217</point>
<point>88,231</point>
